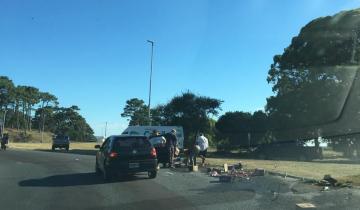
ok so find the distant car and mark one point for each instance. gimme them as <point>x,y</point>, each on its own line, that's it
<point>60,141</point>
<point>287,150</point>
<point>126,155</point>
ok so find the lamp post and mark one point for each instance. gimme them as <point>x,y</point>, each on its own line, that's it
<point>151,68</point>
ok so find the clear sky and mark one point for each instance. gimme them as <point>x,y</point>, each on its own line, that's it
<point>94,54</point>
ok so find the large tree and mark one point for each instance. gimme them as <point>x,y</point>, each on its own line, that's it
<point>67,121</point>
<point>311,79</point>
<point>193,112</point>
<point>136,112</point>
<point>6,98</point>
<point>241,129</point>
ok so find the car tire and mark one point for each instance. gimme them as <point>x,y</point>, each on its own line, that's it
<point>152,174</point>
<point>107,175</point>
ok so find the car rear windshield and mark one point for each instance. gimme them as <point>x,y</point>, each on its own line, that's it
<point>131,142</point>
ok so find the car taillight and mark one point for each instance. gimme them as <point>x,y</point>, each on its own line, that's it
<point>113,154</point>
<point>153,152</point>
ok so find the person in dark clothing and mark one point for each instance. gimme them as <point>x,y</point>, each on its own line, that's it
<point>171,144</point>
<point>4,141</point>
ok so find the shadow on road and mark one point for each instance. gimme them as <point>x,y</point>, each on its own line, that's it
<point>71,151</point>
<point>78,179</point>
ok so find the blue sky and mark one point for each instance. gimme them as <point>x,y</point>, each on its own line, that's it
<point>94,53</point>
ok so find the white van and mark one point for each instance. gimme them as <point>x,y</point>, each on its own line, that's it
<point>147,131</point>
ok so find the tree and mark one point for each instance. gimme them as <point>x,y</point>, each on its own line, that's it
<point>45,100</point>
<point>235,128</point>
<point>25,107</point>
<point>69,122</point>
<point>29,96</point>
<point>6,98</point>
<point>193,112</point>
<point>309,80</point>
<point>158,115</point>
<point>136,111</point>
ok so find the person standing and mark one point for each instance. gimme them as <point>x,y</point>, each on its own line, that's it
<point>158,142</point>
<point>171,143</point>
<point>203,144</point>
<point>4,141</point>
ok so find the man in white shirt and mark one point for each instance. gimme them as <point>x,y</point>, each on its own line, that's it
<point>203,143</point>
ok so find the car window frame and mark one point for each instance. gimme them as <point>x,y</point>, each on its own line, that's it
<point>105,145</point>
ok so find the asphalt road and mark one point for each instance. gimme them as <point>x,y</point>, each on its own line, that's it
<point>53,180</point>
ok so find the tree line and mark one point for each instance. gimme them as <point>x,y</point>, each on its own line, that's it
<point>309,88</point>
<point>26,108</point>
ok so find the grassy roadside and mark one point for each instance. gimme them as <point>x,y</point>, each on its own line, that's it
<point>314,170</point>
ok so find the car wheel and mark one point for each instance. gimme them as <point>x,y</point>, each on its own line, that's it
<point>107,175</point>
<point>152,174</point>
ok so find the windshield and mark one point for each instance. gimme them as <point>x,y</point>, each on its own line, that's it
<point>122,143</point>
<point>248,104</point>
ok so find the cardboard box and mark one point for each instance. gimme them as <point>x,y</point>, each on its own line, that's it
<point>226,168</point>
<point>259,172</point>
<point>193,168</point>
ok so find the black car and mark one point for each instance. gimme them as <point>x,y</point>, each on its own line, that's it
<point>126,155</point>
<point>60,141</point>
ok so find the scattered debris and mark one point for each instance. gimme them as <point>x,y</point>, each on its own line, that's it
<point>259,172</point>
<point>177,164</point>
<point>239,166</point>
<point>305,206</point>
<point>214,174</point>
<point>226,168</point>
<point>326,188</point>
<point>346,184</point>
<point>193,168</point>
<point>329,179</point>
<point>231,167</point>
<point>226,178</point>
<point>324,183</point>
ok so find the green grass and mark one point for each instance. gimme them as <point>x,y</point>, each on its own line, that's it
<point>30,136</point>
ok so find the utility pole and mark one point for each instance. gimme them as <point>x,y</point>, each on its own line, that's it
<point>151,69</point>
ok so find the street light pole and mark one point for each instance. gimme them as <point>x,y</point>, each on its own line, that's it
<point>151,68</point>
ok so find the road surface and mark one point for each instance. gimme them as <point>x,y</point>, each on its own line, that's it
<point>53,180</point>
